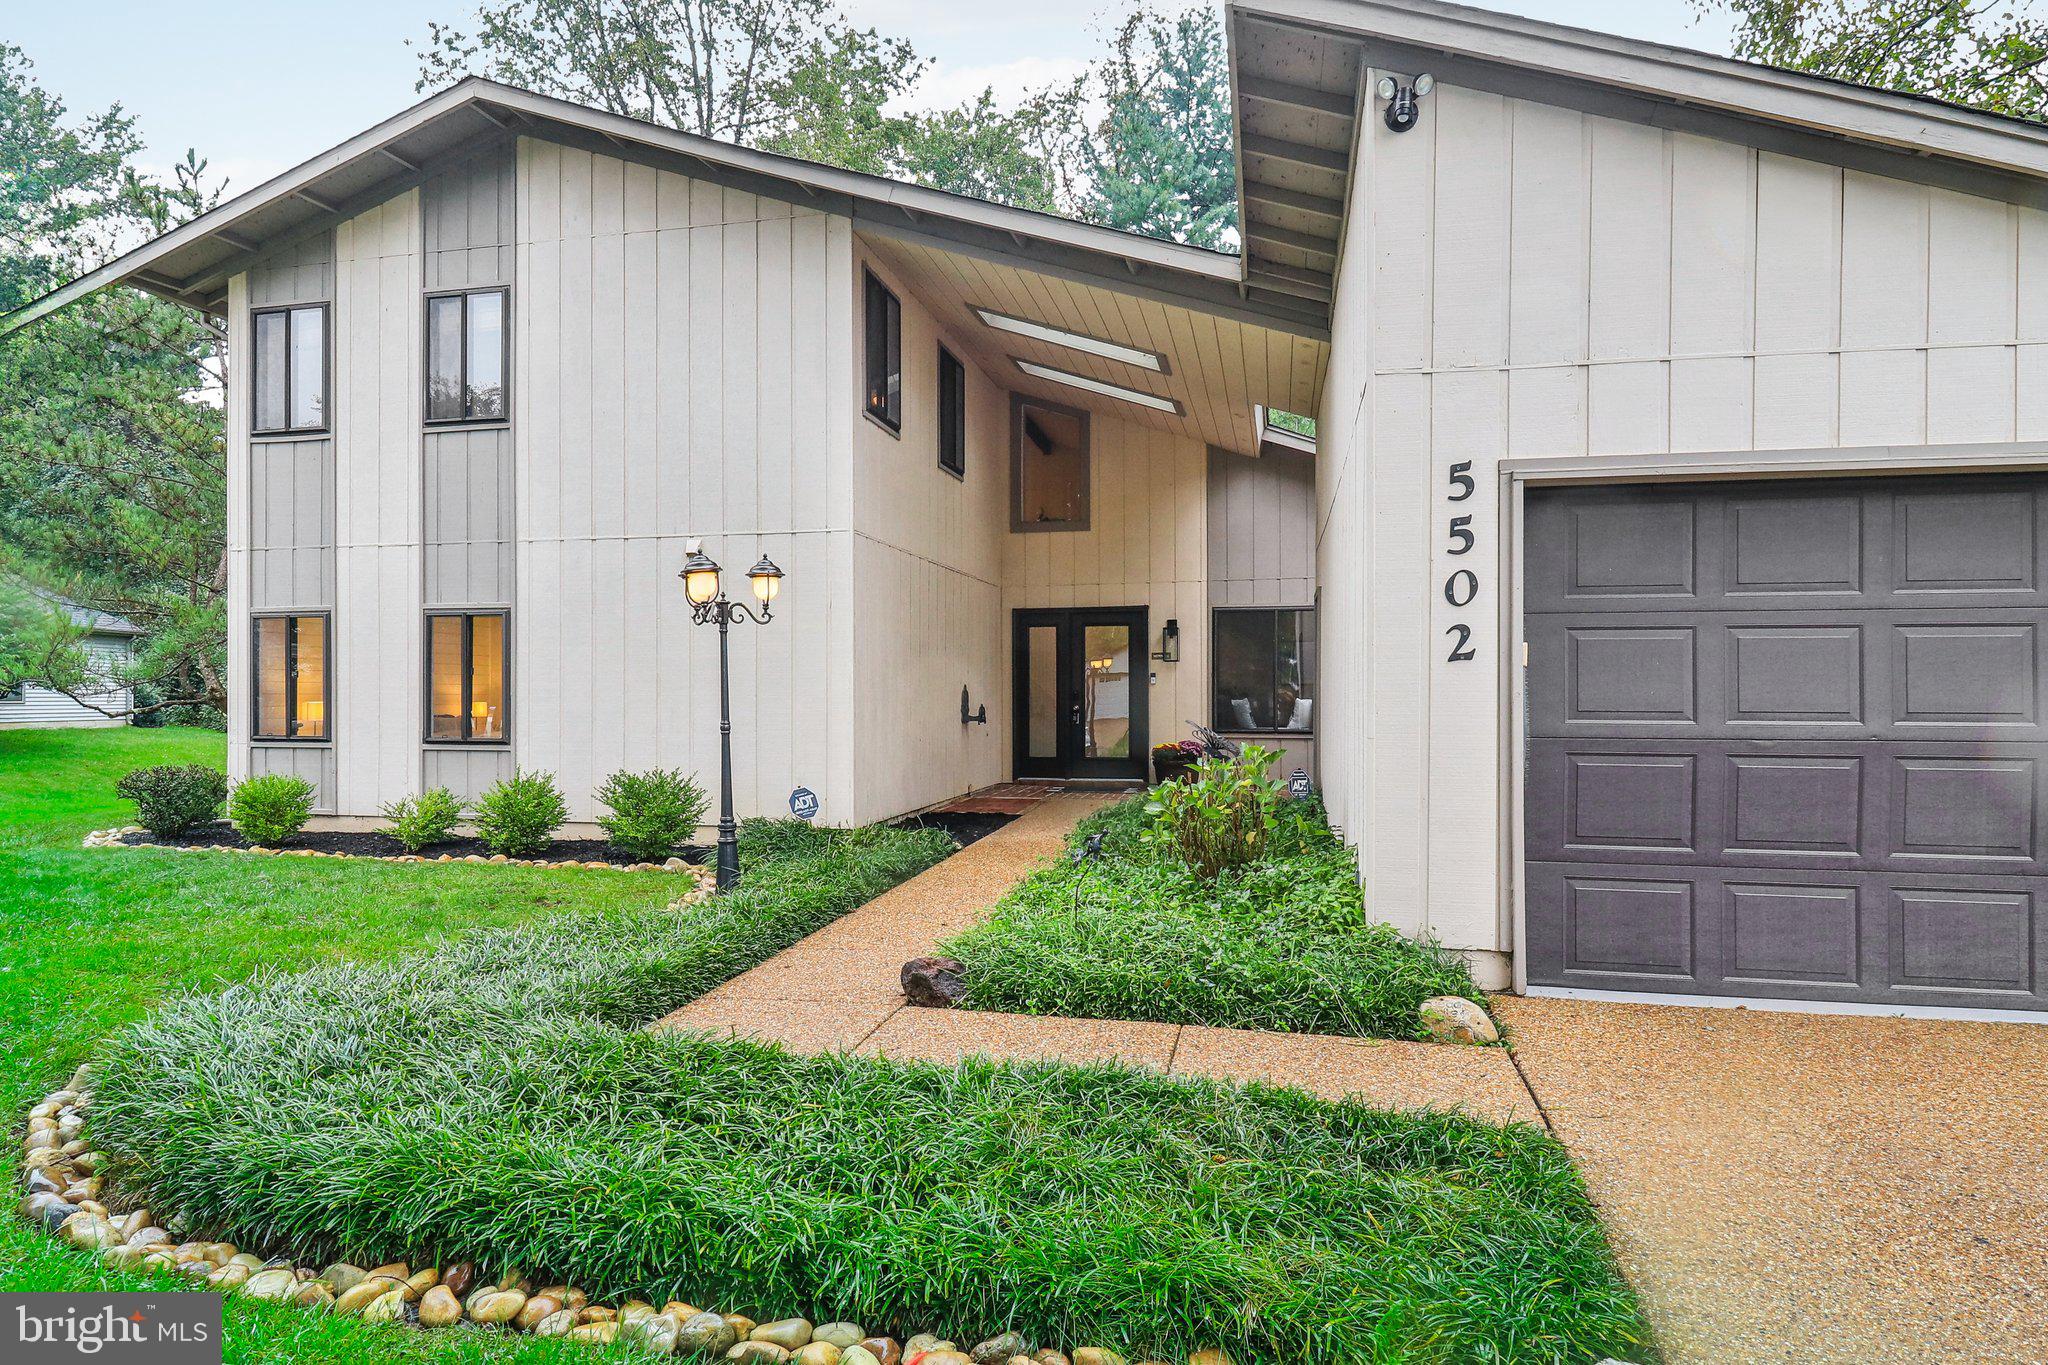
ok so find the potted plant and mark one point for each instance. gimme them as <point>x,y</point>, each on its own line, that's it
<point>1173,762</point>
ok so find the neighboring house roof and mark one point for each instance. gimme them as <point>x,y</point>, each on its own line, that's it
<point>94,620</point>
<point>1297,91</point>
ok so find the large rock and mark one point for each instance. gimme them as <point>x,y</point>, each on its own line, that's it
<point>817,1353</point>
<point>440,1308</point>
<point>707,1334</point>
<point>1454,1019</point>
<point>935,982</point>
<point>840,1334</point>
<point>997,1350</point>
<point>1097,1355</point>
<point>788,1333</point>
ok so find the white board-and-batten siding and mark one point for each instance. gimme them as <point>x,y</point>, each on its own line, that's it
<point>1522,280</point>
<point>682,369</point>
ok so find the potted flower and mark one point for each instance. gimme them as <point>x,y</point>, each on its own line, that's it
<point>1173,762</point>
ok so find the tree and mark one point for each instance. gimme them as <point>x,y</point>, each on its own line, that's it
<point>1988,54</point>
<point>1161,160</point>
<point>112,462</point>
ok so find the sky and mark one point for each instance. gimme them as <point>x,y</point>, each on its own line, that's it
<point>256,86</point>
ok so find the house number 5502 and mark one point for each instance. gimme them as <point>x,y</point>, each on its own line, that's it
<point>1463,585</point>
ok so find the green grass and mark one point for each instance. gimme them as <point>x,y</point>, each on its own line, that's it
<point>91,940</point>
<point>493,1096</point>
<point>1283,944</point>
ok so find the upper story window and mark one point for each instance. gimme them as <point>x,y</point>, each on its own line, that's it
<point>466,356</point>
<point>292,672</point>
<point>1264,669</point>
<point>288,361</point>
<point>466,666</point>
<point>1048,466</point>
<point>882,354</point>
<point>952,414</point>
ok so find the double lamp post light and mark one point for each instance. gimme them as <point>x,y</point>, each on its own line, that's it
<point>709,605</point>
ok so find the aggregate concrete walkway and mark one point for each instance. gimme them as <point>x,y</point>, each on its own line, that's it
<point>1811,1188</point>
<point>838,990</point>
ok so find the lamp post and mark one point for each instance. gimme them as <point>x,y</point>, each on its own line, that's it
<point>709,605</point>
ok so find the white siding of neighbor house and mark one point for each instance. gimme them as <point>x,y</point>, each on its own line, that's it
<point>1147,545</point>
<point>1527,281</point>
<point>38,708</point>
<point>681,369</point>
<point>928,574</point>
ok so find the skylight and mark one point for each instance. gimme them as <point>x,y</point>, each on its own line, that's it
<point>1082,381</point>
<point>1076,341</point>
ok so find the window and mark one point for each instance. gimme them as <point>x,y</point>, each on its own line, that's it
<point>1265,669</point>
<point>289,364</point>
<point>292,678</point>
<point>1048,466</point>
<point>884,354</point>
<point>466,350</point>
<point>952,414</point>
<point>18,692</point>
<point>466,677</point>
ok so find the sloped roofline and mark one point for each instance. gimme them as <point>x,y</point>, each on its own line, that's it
<point>191,263</point>
<point>1913,123</point>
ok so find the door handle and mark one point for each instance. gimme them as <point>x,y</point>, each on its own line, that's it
<point>1074,713</point>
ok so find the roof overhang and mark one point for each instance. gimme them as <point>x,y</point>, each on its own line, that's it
<point>193,263</point>
<point>1297,69</point>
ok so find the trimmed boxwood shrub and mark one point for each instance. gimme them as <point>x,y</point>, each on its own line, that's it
<point>272,808</point>
<point>494,1098</point>
<point>418,822</point>
<point>1282,942</point>
<point>518,817</point>
<point>650,815</point>
<point>173,797</point>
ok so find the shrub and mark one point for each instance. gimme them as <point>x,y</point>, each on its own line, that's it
<point>544,1130</point>
<point>173,797</point>
<point>651,813</point>
<point>1282,943</point>
<point>272,808</point>
<point>1221,816</point>
<point>518,817</point>
<point>418,822</point>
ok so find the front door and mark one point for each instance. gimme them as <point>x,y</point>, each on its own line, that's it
<point>1081,680</point>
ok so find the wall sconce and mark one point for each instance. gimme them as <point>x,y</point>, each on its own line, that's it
<point>1401,100</point>
<point>975,717</point>
<point>1169,642</point>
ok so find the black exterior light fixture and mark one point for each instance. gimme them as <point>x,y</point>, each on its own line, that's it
<point>1169,642</point>
<point>1401,99</point>
<point>708,606</point>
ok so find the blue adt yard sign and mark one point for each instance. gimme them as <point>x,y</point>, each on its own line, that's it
<point>1298,785</point>
<point>803,803</point>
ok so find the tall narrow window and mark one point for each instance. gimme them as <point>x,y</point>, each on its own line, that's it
<point>952,414</point>
<point>288,363</point>
<point>1265,669</point>
<point>291,665</point>
<point>466,339</point>
<point>883,350</point>
<point>1048,466</point>
<point>466,666</point>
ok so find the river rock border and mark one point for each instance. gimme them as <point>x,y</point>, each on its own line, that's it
<point>66,1194</point>
<point>118,837</point>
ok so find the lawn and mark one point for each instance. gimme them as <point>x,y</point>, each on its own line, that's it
<point>1282,944</point>
<point>373,1090</point>
<point>91,940</point>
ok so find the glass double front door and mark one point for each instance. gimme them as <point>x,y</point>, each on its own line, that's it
<point>1082,682</point>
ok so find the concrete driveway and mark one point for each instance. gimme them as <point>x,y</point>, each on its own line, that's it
<point>1786,1187</point>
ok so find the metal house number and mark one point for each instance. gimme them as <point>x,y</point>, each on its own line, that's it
<point>1462,587</point>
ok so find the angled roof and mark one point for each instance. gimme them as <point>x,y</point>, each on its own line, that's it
<point>193,263</point>
<point>1297,67</point>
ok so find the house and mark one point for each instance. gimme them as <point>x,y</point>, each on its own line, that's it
<point>110,646</point>
<point>1661,606</point>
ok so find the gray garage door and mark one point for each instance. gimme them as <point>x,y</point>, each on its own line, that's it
<point>1787,740</point>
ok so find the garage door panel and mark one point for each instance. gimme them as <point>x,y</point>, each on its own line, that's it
<point>1788,546</point>
<point>1790,740</point>
<point>1852,937</point>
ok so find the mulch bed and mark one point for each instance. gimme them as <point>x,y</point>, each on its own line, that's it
<point>964,826</point>
<point>370,844</point>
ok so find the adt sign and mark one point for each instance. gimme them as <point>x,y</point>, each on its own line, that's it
<point>1298,785</point>
<point>803,803</point>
